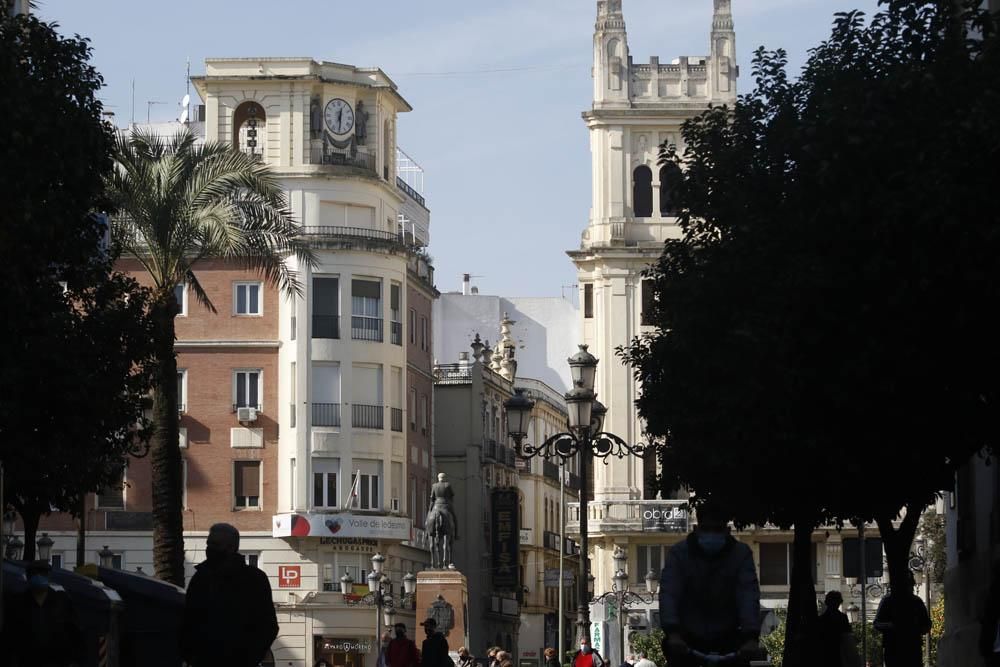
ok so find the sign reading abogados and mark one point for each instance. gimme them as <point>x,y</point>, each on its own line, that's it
<point>665,517</point>
<point>308,524</point>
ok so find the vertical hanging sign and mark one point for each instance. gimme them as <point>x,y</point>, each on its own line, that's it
<point>506,540</point>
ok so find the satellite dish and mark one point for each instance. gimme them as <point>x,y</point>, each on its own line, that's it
<point>185,106</point>
<point>186,101</point>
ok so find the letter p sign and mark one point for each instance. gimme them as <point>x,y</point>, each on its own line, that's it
<point>289,576</point>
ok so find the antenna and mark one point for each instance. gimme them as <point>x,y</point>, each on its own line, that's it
<point>131,120</point>
<point>149,104</point>
<point>186,114</point>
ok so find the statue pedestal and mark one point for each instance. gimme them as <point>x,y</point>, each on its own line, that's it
<point>435,587</point>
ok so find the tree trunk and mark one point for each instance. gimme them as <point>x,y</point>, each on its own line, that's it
<point>165,453</point>
<point>30,516</point>
<point>81,533</point>
<point>897,542</point>
<point>801,596</point>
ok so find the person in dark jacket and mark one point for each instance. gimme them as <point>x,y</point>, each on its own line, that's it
<point>465,658</point>
<point>709,595</point>
<point>902,619</point>
<point>42,629</point>
<point>402,650</point>
<point>828,632</point>
<point>550,658</point>
<point>434,651</point>
<point>229,616</point>
<point>989,629</point>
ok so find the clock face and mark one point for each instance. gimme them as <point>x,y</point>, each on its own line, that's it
<point>339,116</point>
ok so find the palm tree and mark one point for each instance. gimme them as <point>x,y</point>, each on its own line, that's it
<point>178,203</point>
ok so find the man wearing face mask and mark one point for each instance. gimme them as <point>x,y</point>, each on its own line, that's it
<point>587,656</point>
<point>709,595</point>
<point>41,627</point>
<point>229,616</point>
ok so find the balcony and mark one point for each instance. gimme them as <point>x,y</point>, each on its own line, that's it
<point>326,414</point>
<point>326,326</point>
<point>490,452</point>
<point>509,457</point>
<point>332,236</point>
<point>550,470</point>
<point>366,328</point>
<point>367,416</point>
<point>396,416</point>
<point>410,192</point>
<point>359,160</point>
<point>550,540</point>
<point>630,516</point>
<point>396,333</point>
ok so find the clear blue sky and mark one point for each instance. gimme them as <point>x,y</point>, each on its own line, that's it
<point>505,152</point>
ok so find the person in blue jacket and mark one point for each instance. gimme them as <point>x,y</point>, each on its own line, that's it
<point>709,595</point>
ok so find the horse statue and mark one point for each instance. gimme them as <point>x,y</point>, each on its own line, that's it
<point>441,524</point>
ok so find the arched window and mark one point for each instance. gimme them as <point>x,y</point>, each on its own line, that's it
<point>250,128</point>
<point>642,192</point>
<point>670,176</point>
<point>614,65</point>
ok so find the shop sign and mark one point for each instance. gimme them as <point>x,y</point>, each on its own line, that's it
<point>506,540</point>
<point>341,525</point>
<point>350,544</point>
<point>552,577</point>
<point>289,576</point>
<point>339,645</point>
<point>665,517</point>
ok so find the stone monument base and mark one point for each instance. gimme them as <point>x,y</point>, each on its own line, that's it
<point>450,587</point>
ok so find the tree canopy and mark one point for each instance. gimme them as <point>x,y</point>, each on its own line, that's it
<point>824,345</point>
<point>76,334</point>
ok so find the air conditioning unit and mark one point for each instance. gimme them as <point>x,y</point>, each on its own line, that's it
<point>394,504</point>
<point>246,414</point>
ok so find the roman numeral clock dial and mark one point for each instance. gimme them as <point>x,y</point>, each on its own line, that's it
<point>339,116</point>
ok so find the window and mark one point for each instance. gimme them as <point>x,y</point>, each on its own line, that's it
<point>181,390</point>
<point>326,394</point>
<point>366,491</point>
<point>642,192</point>
<point>670,177</point>
<point>112,497</point>
<point>247,388</point>
<point>253,559</point>
<point>57,561</point>
<point>246,484</point>
<point>366,310</point>
<point>247,299</point>
<point>117,561</point>
<point>396,314</point>
<point>423,332</point>
<point>423,414</point>
<point>588,300</point>
<point>776,563</point>
<point>648,303</point>
<point>181,295</point>
<point>326,308</point>
<point>367,410</point>
<point>250,128</point>
<point>649,557</point>
<point>413,326</point>
<point>413,409</point>
<point>325,473</point>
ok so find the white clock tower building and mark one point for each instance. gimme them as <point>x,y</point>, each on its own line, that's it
<point>636,108</point>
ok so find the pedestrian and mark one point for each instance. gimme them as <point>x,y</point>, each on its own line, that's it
<point>383,651</point>
<point>434,652</point>
<point>644,660</point>
<point>550,658</point>
<point>42,628</point>
<point>465,658</point>
<point>628,662</point>
<point>491,655</point>
<point>402,649</point>
<point>229,616</point>
<point>709,596</point>
<point>902,619</point>
<point>831,643</point>
<point>989,633</point>
<point>587,656</point>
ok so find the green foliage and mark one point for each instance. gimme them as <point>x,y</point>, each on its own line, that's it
<point>77,364</point>
<point>774,643</point>
<point>937,627</point>
<point>876,654</point>
<point>650,643</point>
<point>932,529</point>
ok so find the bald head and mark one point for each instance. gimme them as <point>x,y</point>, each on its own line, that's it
<point>223,538</point>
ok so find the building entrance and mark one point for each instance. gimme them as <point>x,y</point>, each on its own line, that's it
<point>340,652</point>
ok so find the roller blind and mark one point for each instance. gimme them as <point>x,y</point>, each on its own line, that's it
<point>326,296</point>
<point>248,478</point>
<point>368,289</point>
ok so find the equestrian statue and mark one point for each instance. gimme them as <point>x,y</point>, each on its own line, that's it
<point>441,524</point>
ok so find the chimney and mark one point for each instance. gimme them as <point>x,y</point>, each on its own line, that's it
<point>466,282</point>
<point>475,290</point>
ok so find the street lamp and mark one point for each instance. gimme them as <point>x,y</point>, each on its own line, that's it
<point>378,595</point>
<point>623,598</point>
<point>586,437</point>
<point>918,564</point>
<point>44,545</point>
<point>14,548</point>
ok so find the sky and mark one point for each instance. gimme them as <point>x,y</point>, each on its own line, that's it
<point>497,89</point>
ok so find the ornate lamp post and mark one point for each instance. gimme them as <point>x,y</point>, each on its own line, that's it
<point>584,437</point>
<point>918,564</point>
<point>107,557</point>
<point>44,545</point>
<point>623,598</point>
<point>378,594</point>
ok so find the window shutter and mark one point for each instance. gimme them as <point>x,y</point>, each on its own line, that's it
<point>394,297</point>
<point>248,473</point>
<point>326,295</point>
<point>368,289</point>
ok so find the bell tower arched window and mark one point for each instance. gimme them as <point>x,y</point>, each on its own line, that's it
<point>642,192</point>
<point>670,176</point>
<point>250,128</point>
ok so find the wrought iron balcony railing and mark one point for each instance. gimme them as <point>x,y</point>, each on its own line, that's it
<point>326,414</point>
<point>396,416</point>
<point>367,416</point>
<point>366,328</point>
<point>396,333</point>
